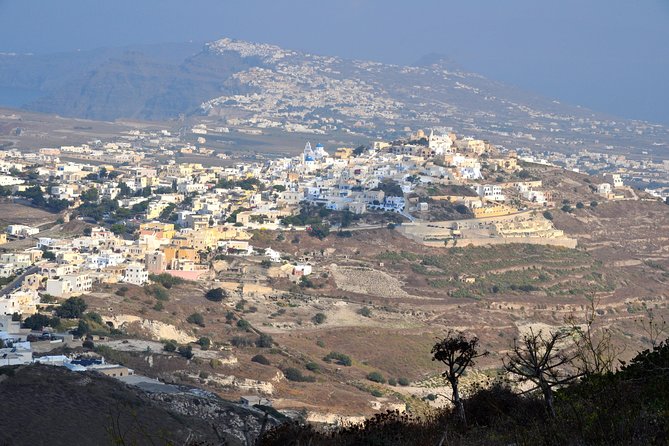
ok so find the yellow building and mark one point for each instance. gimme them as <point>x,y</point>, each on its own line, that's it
<point>179,253</point>
<point>496,210</point>
<point>343,153</point>
<point>158,230</point>
<point>509,164</point>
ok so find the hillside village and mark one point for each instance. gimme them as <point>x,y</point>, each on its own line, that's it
<point>172,218</point>
<point>125,219</point>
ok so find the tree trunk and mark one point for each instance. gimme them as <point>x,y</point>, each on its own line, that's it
<point>548,397</point>
<point>459,407</point>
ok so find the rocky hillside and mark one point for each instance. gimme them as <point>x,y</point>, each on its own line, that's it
<point>44,405</point>
<point>259,85</point>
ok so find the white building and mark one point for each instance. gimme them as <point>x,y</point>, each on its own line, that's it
<point>302,269</point>
<point>69,285</point>
<point>136,274</point>
<point>6,180</point>
<point>20,301</point>
<point>22,230</point>
<point>490,191</point>
<point>274,256</point>
<point>604,189</point>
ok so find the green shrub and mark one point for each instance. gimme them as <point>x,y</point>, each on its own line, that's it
<point>241,341</point>
<point>319,318</point>
<point>186,351</point>
<point>166,280</point>
<point>72,308</point>
<point>312,366</point>
<point>196,318</point>
<point>339,358</point>
<point>403,382</point>
<point>157,291</point>
<point>38,321</point>
<point>170,346</point>
<point>264,341</point>
<point>376,377</point>
<point>243,324</point>
<point>365,311</point>
<point>216,295</point>
<point>293,374</point>
<point>204,343</point>
<point>260,359</point>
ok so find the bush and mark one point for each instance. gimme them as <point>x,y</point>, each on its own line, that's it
<point>95,317</point>
<point>377,393</point>
<point>548,215</point>
<point>243,324</point>
<point>72,308</point>
<point>241,341</point>
<point>159,306</point>
<point>486,406</point>
<point>580,205</point>
<point>204,343</point>
<point>82,328</point>
<point>339,358</point>
<point>186,351</point>
<point>264,341</point>
<point>196,318</point>
<point>39,321</point>
<point>204,375</point>
<point>166,280</point>
<point>376,377</point>
<point>593,204</point>
<point>216,294</point>
<point>319,318</point>
<point>319,230</point>
<point>392,381</point>
<point>293,374</point>
<point>365,311</point>
<point>312,366</point>
<point>88,344</point>
<point>170,346</point>
<point>260,359</point>
<point>403,382</point>
<point>157,291</point>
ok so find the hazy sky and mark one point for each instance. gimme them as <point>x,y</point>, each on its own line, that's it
<point>609,55</point>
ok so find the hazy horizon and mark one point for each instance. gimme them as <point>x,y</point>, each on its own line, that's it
<point>607,56</point>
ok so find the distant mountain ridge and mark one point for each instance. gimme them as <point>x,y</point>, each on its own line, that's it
<point>255,84</point>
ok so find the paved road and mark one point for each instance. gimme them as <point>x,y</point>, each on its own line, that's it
<point>16,283</point>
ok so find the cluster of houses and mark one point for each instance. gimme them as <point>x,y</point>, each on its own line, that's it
<point>179,213</point>
<point>198,197</point>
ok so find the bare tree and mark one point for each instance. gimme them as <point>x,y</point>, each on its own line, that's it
<point>655,329</point>
<point>595,351</point>
<point>542,361</point>
<point>457,352</point>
